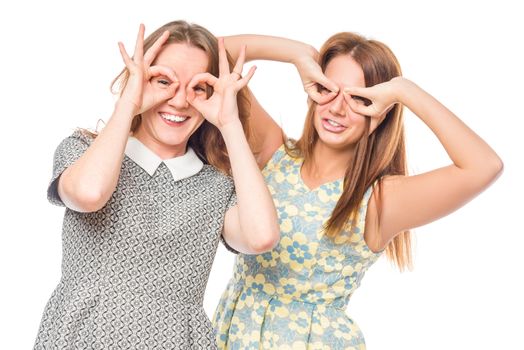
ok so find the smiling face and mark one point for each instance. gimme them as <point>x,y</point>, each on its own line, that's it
<point>166,128</point>
<point>337,125</point>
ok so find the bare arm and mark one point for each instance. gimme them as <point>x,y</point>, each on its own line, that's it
<point>267,133</point>
<point>263,47</point>
<point>250,226</point>
<point>411,201</point>
<point>87,184</point>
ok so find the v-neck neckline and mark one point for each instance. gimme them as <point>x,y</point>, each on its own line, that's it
<point>302,183</point>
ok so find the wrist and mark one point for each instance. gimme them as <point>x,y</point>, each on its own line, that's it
<point>231,129</point>
<point>402,89</point>
<point>303,52</point>
<point>123,106</point>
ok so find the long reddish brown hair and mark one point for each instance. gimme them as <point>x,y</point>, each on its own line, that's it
<point>378,154</point>
<point>207,142</point>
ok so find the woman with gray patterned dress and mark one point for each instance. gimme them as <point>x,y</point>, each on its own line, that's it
<point>145,209</point>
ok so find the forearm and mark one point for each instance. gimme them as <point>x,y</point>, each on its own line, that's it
<point>267,134</point>
<point>262,47</point>
<point>465,148</point>
<point>89,183</point>
<point>256,211</point>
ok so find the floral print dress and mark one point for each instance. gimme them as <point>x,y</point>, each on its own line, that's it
<point>295,296</point>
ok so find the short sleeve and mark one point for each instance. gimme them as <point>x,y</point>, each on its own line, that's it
<point>67,152</point>
<point>231,203</point>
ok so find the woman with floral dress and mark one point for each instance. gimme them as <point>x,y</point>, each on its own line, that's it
<point>341,192</point>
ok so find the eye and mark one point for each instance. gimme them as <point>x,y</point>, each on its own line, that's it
<point>163,82</point>
<point>199,89</point>
<point>322,90</point>
<point>361,100</point>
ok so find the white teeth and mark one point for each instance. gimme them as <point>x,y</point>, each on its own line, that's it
<point>333,122</point>
<point>173,118</point>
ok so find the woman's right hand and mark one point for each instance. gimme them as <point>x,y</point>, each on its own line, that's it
<point>314,80</point>
<point>146,84</point>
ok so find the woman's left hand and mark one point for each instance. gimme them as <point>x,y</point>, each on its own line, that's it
<point>221,107</point>
<point>374,101</point>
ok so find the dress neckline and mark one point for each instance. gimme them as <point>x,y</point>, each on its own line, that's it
<point>333,183</point>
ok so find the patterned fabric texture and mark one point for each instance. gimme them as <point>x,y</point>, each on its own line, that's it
<point>295,296</point>
<point>134,272</point>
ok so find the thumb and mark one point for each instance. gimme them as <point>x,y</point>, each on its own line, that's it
<point>169,92</point>
<point>350,94</point>
<point>192,99</point>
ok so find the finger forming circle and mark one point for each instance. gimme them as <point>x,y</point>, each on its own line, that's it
<point>237,73</point>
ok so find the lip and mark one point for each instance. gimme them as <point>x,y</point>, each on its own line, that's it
<point>173,123</point>
<point>332,128</point>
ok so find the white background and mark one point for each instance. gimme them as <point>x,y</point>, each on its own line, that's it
<point>58,58</point>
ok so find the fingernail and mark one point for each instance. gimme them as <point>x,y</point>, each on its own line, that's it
<point>347,90</point>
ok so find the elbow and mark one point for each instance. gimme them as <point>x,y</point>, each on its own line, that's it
<point>266,241</point>
<point>84,199</point>
<point>92,203</point>
<point>91,200</point>
<point>496,168</point>
<point>486,174</point>
<point>499,167</point>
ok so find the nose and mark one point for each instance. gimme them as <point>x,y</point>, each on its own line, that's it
<point>338,105</point>
<point>179,100</point>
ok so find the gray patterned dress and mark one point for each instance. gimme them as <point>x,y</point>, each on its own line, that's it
<point>134,272</point>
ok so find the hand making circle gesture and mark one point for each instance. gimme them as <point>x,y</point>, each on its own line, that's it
<point>221,107</point>
<point>145,87</point>
<point>374,101</point>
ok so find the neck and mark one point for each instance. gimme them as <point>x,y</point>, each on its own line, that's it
<point>160,149</point>
<point>328,163</point>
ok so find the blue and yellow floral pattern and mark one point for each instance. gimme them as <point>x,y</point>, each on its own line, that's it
<point>294,297</point>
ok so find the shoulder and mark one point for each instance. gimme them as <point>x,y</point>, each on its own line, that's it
<point>74,145</point>
<point>83,136</point>
<point>212,174</point>
<point>79,138</point>
<point>280,159</point>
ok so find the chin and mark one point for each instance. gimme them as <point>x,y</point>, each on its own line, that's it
<point>173,139</point>
<point>339,142</point>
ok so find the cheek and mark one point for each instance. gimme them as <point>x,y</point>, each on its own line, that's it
<point>356,118</point>
<point>148,115</point>
<point>317,118</point>
<point>198,121</point>
<point>321,109</point>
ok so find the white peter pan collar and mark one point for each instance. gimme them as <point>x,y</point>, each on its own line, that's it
<point>180,167</point>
